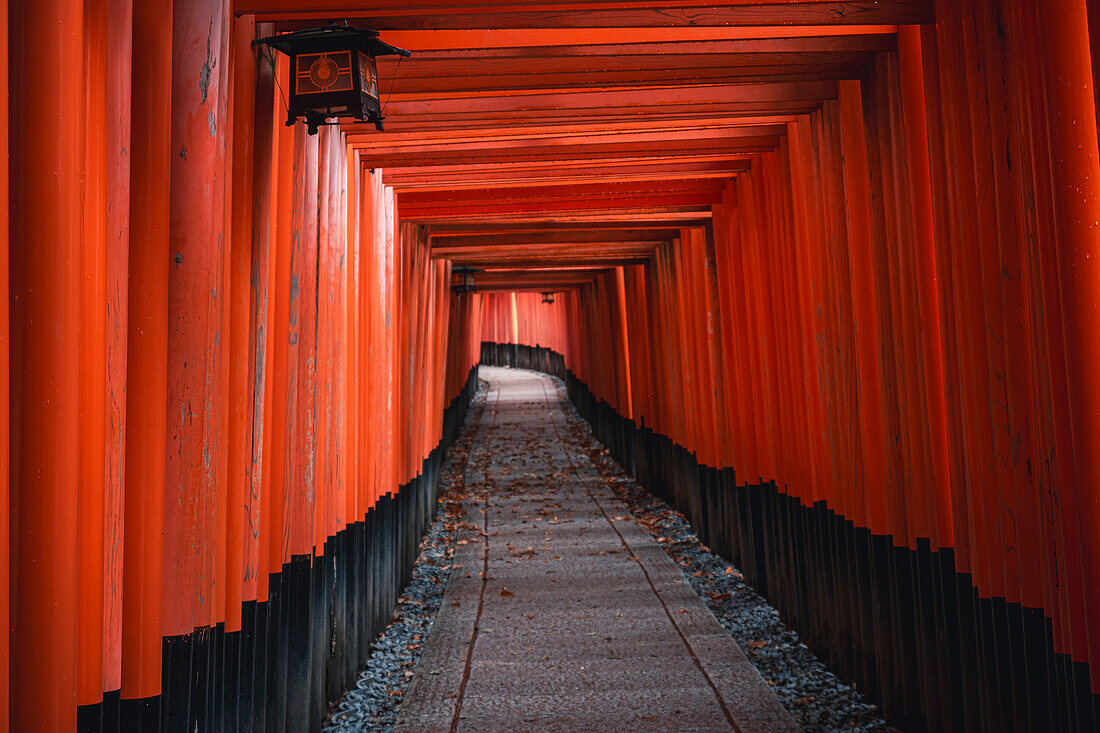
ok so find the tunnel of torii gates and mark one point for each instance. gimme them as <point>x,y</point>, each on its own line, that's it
<point>822,277</point>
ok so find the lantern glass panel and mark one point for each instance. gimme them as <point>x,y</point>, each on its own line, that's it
<point>317,73</point>
<point>368,75</point>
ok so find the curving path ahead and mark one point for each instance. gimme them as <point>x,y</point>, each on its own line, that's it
<point>561,614</point>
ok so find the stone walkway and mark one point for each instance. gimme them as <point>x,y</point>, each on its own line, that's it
<point>561,614</point>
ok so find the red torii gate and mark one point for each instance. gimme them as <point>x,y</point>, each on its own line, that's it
<point>870,281</point>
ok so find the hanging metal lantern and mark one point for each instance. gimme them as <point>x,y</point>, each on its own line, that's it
<point>333,74</point>
<point>547,297</point>
<point>462,280</point>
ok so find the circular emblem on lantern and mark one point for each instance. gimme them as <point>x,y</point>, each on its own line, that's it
<point>324,72</point>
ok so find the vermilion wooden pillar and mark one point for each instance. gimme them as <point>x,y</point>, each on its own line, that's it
<point>984,395</point>
<point>1019,292</point>
<point>770,324</point>
<point>717,319</point>
<point>1036,547</point>
<point>677,359</point>
<point>379,300</point>
<point>265,220</point>
<point>1073,141</point>
<point>1012,360</point>
<point>623,344</point>
<point>763,316</point>
<point>419,328</point>
<point>760,331</point>
<point>355,485</point>
<point>93,359</point>
<point>935,100</point>
<point>712,413</point>
<point>196,345</point>
<point>303,314</point>
<point>346,199</point>
<point>805,200</point>
<point>441,295</point>
<point>326,320</point>
<point>283,359</point>
<point>5,402</point>
<point>243,390</point>
<point>641,371</point>
<point>402,304</point>
<point>46,235</point>
<point>837,275</point>
<point>388,266</point>
<point>147,354</point>
<point>910,59</point>
<point>369,211</point>
<point>119,69</point>
<point>261,320</point>
<point>729,255</point>
<point>872,440</point>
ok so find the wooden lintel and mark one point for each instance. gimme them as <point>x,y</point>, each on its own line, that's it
<point>295,14</point>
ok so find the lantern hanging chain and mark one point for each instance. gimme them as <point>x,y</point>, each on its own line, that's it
<point>282,94</point>
<point>389,93</point>
<point>269,56</point>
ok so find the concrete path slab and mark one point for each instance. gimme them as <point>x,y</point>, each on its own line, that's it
<point>562,614</point>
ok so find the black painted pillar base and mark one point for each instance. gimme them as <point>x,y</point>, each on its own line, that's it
<point>304,645</point>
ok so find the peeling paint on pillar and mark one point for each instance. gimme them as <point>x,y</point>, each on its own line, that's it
<point>195,472</point>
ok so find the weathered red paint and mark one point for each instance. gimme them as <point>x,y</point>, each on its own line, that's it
<point>197,350</point>
<point>118,100</point>
<point>243,393</point>
<point>93,361</point>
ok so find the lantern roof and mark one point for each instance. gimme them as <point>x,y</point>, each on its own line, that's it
<point>332,37</point>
